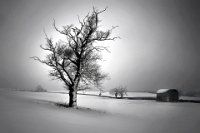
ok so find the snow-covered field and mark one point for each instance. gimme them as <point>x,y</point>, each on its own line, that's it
<point>129,94</point>
<point>33,112</point>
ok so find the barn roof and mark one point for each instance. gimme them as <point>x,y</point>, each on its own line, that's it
<point>164,90</point>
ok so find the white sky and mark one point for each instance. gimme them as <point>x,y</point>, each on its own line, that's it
<point>159,45</point>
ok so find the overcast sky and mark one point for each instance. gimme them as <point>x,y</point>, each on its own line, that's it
<point>159,45</point>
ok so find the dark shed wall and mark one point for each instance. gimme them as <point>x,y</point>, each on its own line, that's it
<point>170,95</point>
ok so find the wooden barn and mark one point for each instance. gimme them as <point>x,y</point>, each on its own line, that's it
<point>167,95</point>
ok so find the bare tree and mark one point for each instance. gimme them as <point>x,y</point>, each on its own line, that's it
<point>100,91</point>
<point>39,88</point>
<point>75,61</point>
<point>119,91</point>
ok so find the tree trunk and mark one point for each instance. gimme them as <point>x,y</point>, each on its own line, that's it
<point>73,97</point>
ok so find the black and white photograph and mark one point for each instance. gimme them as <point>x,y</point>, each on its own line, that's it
<point>99,66</point>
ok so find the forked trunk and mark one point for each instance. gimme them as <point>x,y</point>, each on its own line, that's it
<point>73,97</point>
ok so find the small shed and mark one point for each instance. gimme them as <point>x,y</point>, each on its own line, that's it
<point>167,95</point>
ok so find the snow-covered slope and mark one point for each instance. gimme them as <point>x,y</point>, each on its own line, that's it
<point>20,112</point>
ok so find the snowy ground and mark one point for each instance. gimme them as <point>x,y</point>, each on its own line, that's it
<point>32,112</point>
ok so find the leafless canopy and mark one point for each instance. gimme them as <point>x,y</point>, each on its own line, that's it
<point>119,91</point>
